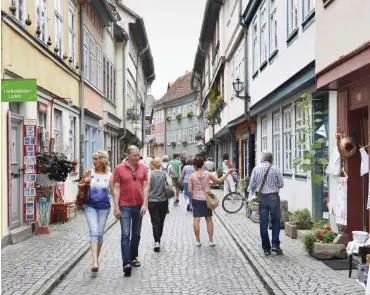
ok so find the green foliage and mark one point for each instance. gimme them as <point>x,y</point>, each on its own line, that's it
<point>302,219</point>
<point>179,116</point>
<point>168,118</point>
<point>319,235</point>
<point>189,114</point>
<point>219,171</point>
<point>213,96</point>
<point>55,165</point>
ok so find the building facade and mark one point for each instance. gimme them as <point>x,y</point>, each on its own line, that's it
<point>344,71</point>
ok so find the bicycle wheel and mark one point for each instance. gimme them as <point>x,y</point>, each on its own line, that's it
<point>233,202</point>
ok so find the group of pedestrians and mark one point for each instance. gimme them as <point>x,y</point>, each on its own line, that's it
<point>138,188</point>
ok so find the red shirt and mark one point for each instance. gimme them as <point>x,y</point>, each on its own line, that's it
<point>131,191</point>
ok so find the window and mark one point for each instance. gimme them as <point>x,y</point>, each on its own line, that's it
<point>179,110</point>
<point>276,138</point>
<point>190,107</point>
<point>72,140</point>
<point>300,135</point>
<point>308,7</point>
<point>255,46</point>
<point>179,136</point>
<point>168,138</point>
<point>93,140</point>
<point>190,135</point>
<point>185,109</point>
<point>293,15</point>
<point>264,38</point>
<point>86,53</point>
<point>196,130</point>
<point>169,113</point>
<point>92,61</point>
<point>114,85</point>
<point>58,142</point>
<point>88,161</point>
<point>99,68</point>
<point>41,119</point>
<point>173,113</point>
<point>41,16</point>
<point>185,135</point>
<point>287,139</point>
<point>20,12</point>
<point>109,89</point>
<point>264,134</point>
<point>273,26</point>
<point>173,136</point>
<point>58,29</point>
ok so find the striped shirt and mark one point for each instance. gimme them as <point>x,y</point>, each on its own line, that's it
<point>274,181</point>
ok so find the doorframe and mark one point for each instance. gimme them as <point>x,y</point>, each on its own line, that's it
<point>17,119</point>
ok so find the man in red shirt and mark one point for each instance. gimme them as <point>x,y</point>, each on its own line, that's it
<point>131,189</point>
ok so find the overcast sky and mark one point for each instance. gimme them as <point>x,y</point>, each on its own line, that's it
<point>173,28</point>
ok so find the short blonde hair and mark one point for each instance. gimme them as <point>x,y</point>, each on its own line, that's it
<point>104,159</point>
<point>156,162</point>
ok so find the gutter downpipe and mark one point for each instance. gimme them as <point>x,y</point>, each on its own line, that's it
<point>82,93</point>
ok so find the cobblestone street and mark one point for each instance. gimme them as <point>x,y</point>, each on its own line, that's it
<point>180,267</point>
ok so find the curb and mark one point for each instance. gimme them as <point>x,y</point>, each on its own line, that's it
<point>270,285</point>
<point>62,272</point>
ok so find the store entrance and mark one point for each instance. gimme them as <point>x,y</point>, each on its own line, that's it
<point>358,218</point>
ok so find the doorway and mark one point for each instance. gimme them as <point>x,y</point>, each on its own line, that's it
<point>16,166</point>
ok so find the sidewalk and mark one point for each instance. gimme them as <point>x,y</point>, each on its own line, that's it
<point>295,272</point>
<point>35,265</point>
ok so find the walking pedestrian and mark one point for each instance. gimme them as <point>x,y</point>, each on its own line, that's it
<point>266,180</point>
<point>176,176</point>
<point>98,205</point>
<point>131,181</point>
<point>198,186</point>
<point>186,172</point>
<point>209,164</point>
<point>168,168</point>
<point>158,203</point>
<point>229,185</point>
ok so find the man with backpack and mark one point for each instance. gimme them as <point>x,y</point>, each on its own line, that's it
<point>176,165</point>
<point>168,169</point>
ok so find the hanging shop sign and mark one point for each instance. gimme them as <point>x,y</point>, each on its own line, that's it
<point>29,162</point>
<point>22,90</point>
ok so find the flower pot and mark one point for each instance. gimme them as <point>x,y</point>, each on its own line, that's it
<point>324,251</point>
<point>291,230</point>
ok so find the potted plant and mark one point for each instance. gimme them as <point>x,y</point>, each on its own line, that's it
<point>168,118</point>
<point>179,117</point>
<point>55,165</point>
<point>319,244</point>
<point>189,114</point>
<point>173,143</point>
<point>301,219</point>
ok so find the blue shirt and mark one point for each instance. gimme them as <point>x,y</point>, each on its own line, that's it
<point>186,172</point>
<point>99,190</point>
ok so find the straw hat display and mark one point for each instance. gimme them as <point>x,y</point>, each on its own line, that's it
<point>346,146</point>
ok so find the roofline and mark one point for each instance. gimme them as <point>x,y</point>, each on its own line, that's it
<point>133,13</point>
<point>104,11</point>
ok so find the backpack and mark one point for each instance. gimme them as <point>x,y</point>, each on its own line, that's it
<point>170,171</point>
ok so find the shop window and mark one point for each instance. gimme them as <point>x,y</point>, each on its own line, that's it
<point>20,12</point>
<point>264,134</point>
<point>58,27</point>
<point>58,140</point>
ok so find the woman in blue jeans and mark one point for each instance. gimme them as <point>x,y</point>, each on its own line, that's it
<point>186,172</point>
<point>98,206</point>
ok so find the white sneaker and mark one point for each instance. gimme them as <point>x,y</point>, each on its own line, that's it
<point>211,244</point>
<point>198,244</point>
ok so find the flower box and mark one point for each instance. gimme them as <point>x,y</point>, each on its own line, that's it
<point>291,230</point>
<point>324,251</point>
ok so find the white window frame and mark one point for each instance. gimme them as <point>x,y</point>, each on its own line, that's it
<point>292,16</point>
<point>58,26</point>
<point>300,134</point>
<point>276,126</point>
<point>42,119</point>
<point>196,130</point>
<point>179,110</point>
<point>179,136</point>
<point>185,135</point>
<point>58,128</point>
<point>273,27</point>
<point>99,69</point>
<point>173,136</point>
<point>168,137</point>
<point>72,33</point>
<point>20,13</point>
<point>185,110</point>
<point>92,52</point>
<point>72,140</point>
<point>86,41</point>
<point>169,112</point>
<point>41,17</point>
<point>287,140</point>
<point>174,113</point>
<point>263,33</point>
<point>264,133</point>
<point>190,135</point>
<point>308,7</point>
<point>255,45</point>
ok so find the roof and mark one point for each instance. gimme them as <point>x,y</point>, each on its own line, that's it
<point>180,88</point>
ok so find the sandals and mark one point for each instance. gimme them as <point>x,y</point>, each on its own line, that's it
<point>136,262</point>
<point>95,268</point>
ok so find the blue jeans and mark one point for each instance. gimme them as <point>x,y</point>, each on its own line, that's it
<point>269,205</point>
<point>96,219</point>
<point>130,215</point>
<point>186,192</point>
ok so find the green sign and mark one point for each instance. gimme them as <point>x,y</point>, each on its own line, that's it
<point>18,90</point>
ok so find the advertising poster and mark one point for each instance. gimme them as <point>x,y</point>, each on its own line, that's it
<point>29,164</point>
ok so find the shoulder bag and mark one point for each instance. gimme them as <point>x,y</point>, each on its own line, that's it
<point>211,198</point>
<point>256,197</point>
<point>83,195</point>
<point>168,190</point>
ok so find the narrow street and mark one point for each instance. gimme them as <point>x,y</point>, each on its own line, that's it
<point>180,267</point>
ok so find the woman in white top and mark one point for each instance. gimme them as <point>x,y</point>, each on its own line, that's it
<point>229,185</point>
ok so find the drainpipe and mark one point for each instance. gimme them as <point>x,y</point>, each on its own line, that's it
<point>82,100</point>
<point>245,40</point>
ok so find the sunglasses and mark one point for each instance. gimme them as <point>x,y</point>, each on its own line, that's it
<point>134,175</point>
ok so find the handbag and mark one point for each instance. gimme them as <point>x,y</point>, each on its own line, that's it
<point>256,197</point>
<point>211,199</point>
<point>83,195</point>
<point>168,190</point>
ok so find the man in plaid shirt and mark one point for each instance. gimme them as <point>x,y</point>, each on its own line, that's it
<point>269,201</point>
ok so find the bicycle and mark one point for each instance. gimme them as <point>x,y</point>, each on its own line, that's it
<point>234,201</point>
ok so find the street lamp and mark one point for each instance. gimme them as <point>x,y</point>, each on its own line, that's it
<point>238,85</point>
